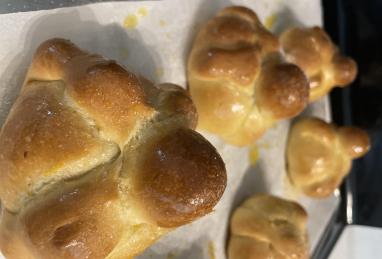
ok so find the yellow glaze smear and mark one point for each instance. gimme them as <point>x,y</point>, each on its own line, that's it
<point>171,255</point>
<point>142,11</point>
<point>131,21</point>
<point>270,21</point>
<point>211,250</point>
<point>162,23</point>
<point>253,154</point>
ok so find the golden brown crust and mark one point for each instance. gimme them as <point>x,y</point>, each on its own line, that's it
<point>187,163</point>
<point>319,155</point>
<point>286,101</point>
<point>76,219</point>
<point>173,100</point>
<point>239,65</point>
<point>247,248</point>
<point>241,12</point>
<point>355,141</point>
<point>313,51</point>
<point>265,226</point>
<point>35,143</point>
<point>235,74</point>
<point>109,94</point>
<point>81,223</point>
<point>65,188</point>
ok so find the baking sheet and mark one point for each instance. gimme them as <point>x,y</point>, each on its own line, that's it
<point>153,39</point>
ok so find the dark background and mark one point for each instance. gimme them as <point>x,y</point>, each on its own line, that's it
<point>356,26</point>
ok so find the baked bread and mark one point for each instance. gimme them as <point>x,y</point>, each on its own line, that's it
<point>266,226</point>
<point>314,52</point>
<point>96,162</point>
<point>237,79</point>
<point>319,155</point>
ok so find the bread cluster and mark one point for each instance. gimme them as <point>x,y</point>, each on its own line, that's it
<point>96,162</point>
<point>238,80</point>
<point>241,76</point>
<point>243,79</point>
<point>314,52</point>
<point>319,155</point>
<point>265,226</point>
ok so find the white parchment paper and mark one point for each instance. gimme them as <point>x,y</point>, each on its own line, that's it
<point>153,38</point>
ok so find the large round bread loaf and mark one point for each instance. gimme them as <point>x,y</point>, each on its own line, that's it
<point>96,162</point>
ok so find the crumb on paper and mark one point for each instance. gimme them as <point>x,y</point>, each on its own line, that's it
<point>131,21</point>
<point>168,35</point>
<point>159,72</point>
<point>270,21</point>
<point>171,255</point>
<point>142,11</point>
<point>162,23</point>
<point>211,250</point>
<point>253,154</point>
<point>124,53</point>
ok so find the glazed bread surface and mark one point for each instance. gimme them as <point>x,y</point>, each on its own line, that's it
<point>97,162</point>
<point>238,80</point>
<point>319,155</point>
<point>314,52</point>
<point>265,226</point>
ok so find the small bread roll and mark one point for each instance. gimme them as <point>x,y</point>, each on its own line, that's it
<point>237,80</point>
<point>313,51</point>
<point>319,155</point>
<point>96,162</point>
<point>266,227</point>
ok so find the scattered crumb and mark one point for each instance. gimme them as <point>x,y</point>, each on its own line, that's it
<point>253,154</point>
<point>168,35</point>
<point>162,23</point>
<point>124,53</point>
<point>171,255</point>
<point>270,21</point>
<point>131,21</point>
<point>159,72</point>
<point>142,11</point>
<point>211,250</point>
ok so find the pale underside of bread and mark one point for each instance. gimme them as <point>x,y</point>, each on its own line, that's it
<point>98,162</point>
